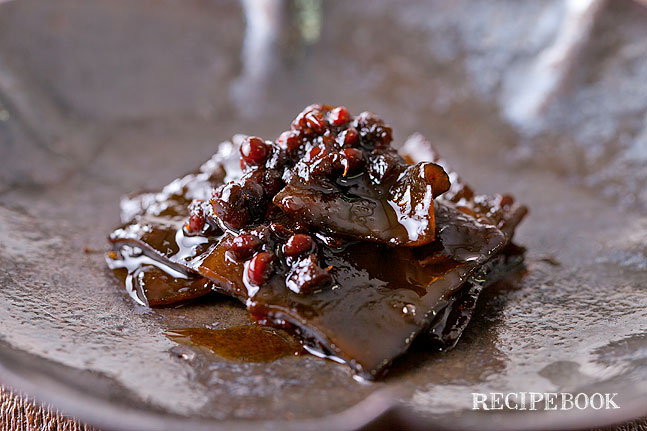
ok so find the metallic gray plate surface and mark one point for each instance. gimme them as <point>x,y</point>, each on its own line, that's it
<point>100,99</point>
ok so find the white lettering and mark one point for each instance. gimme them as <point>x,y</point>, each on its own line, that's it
<point>586,401</point>
<point>497,401</point>
<point>479,399</point>
<point>609,401</point>
<point>535,397</point>
<point>550,398</point>
<point>592,400</point>
<point>547,400</point>
<point>567,399</point>
<point>507,401</point>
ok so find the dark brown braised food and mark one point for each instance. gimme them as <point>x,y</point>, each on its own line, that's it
<point>326,232</point>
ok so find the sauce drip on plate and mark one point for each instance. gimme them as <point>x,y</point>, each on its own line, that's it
<point>250,343</point>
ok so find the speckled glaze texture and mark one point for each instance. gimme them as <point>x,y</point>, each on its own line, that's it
<point>106,98</point>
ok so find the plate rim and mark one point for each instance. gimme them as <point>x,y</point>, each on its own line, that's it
<point>380,407</point>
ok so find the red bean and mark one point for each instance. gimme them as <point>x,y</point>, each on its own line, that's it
<point>307,276</point>
<point>315,121</point>
<point>298,244</point>
<point>196,223</point>
<point>310,120</point>
<point>280,230</point>
<point>339,116</point>
<point>244,245</point>
<point>350,137</point>
<point>352,159</point>
<point>260,268</point>
<point>197,218</point>
<point>373,130</point>
<point>289,140</point>
<point>254,151</point>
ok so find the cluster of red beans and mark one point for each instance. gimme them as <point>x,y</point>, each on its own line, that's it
<point>323,143</point>
<point>263,248</point>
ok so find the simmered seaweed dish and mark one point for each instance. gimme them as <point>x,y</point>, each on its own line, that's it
<point>327,232</point>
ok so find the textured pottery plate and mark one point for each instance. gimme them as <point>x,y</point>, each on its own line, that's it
<point>100,99</point>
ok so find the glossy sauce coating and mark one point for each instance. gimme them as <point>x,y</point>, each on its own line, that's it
<point>329,271</point>
<point>335,173</point>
